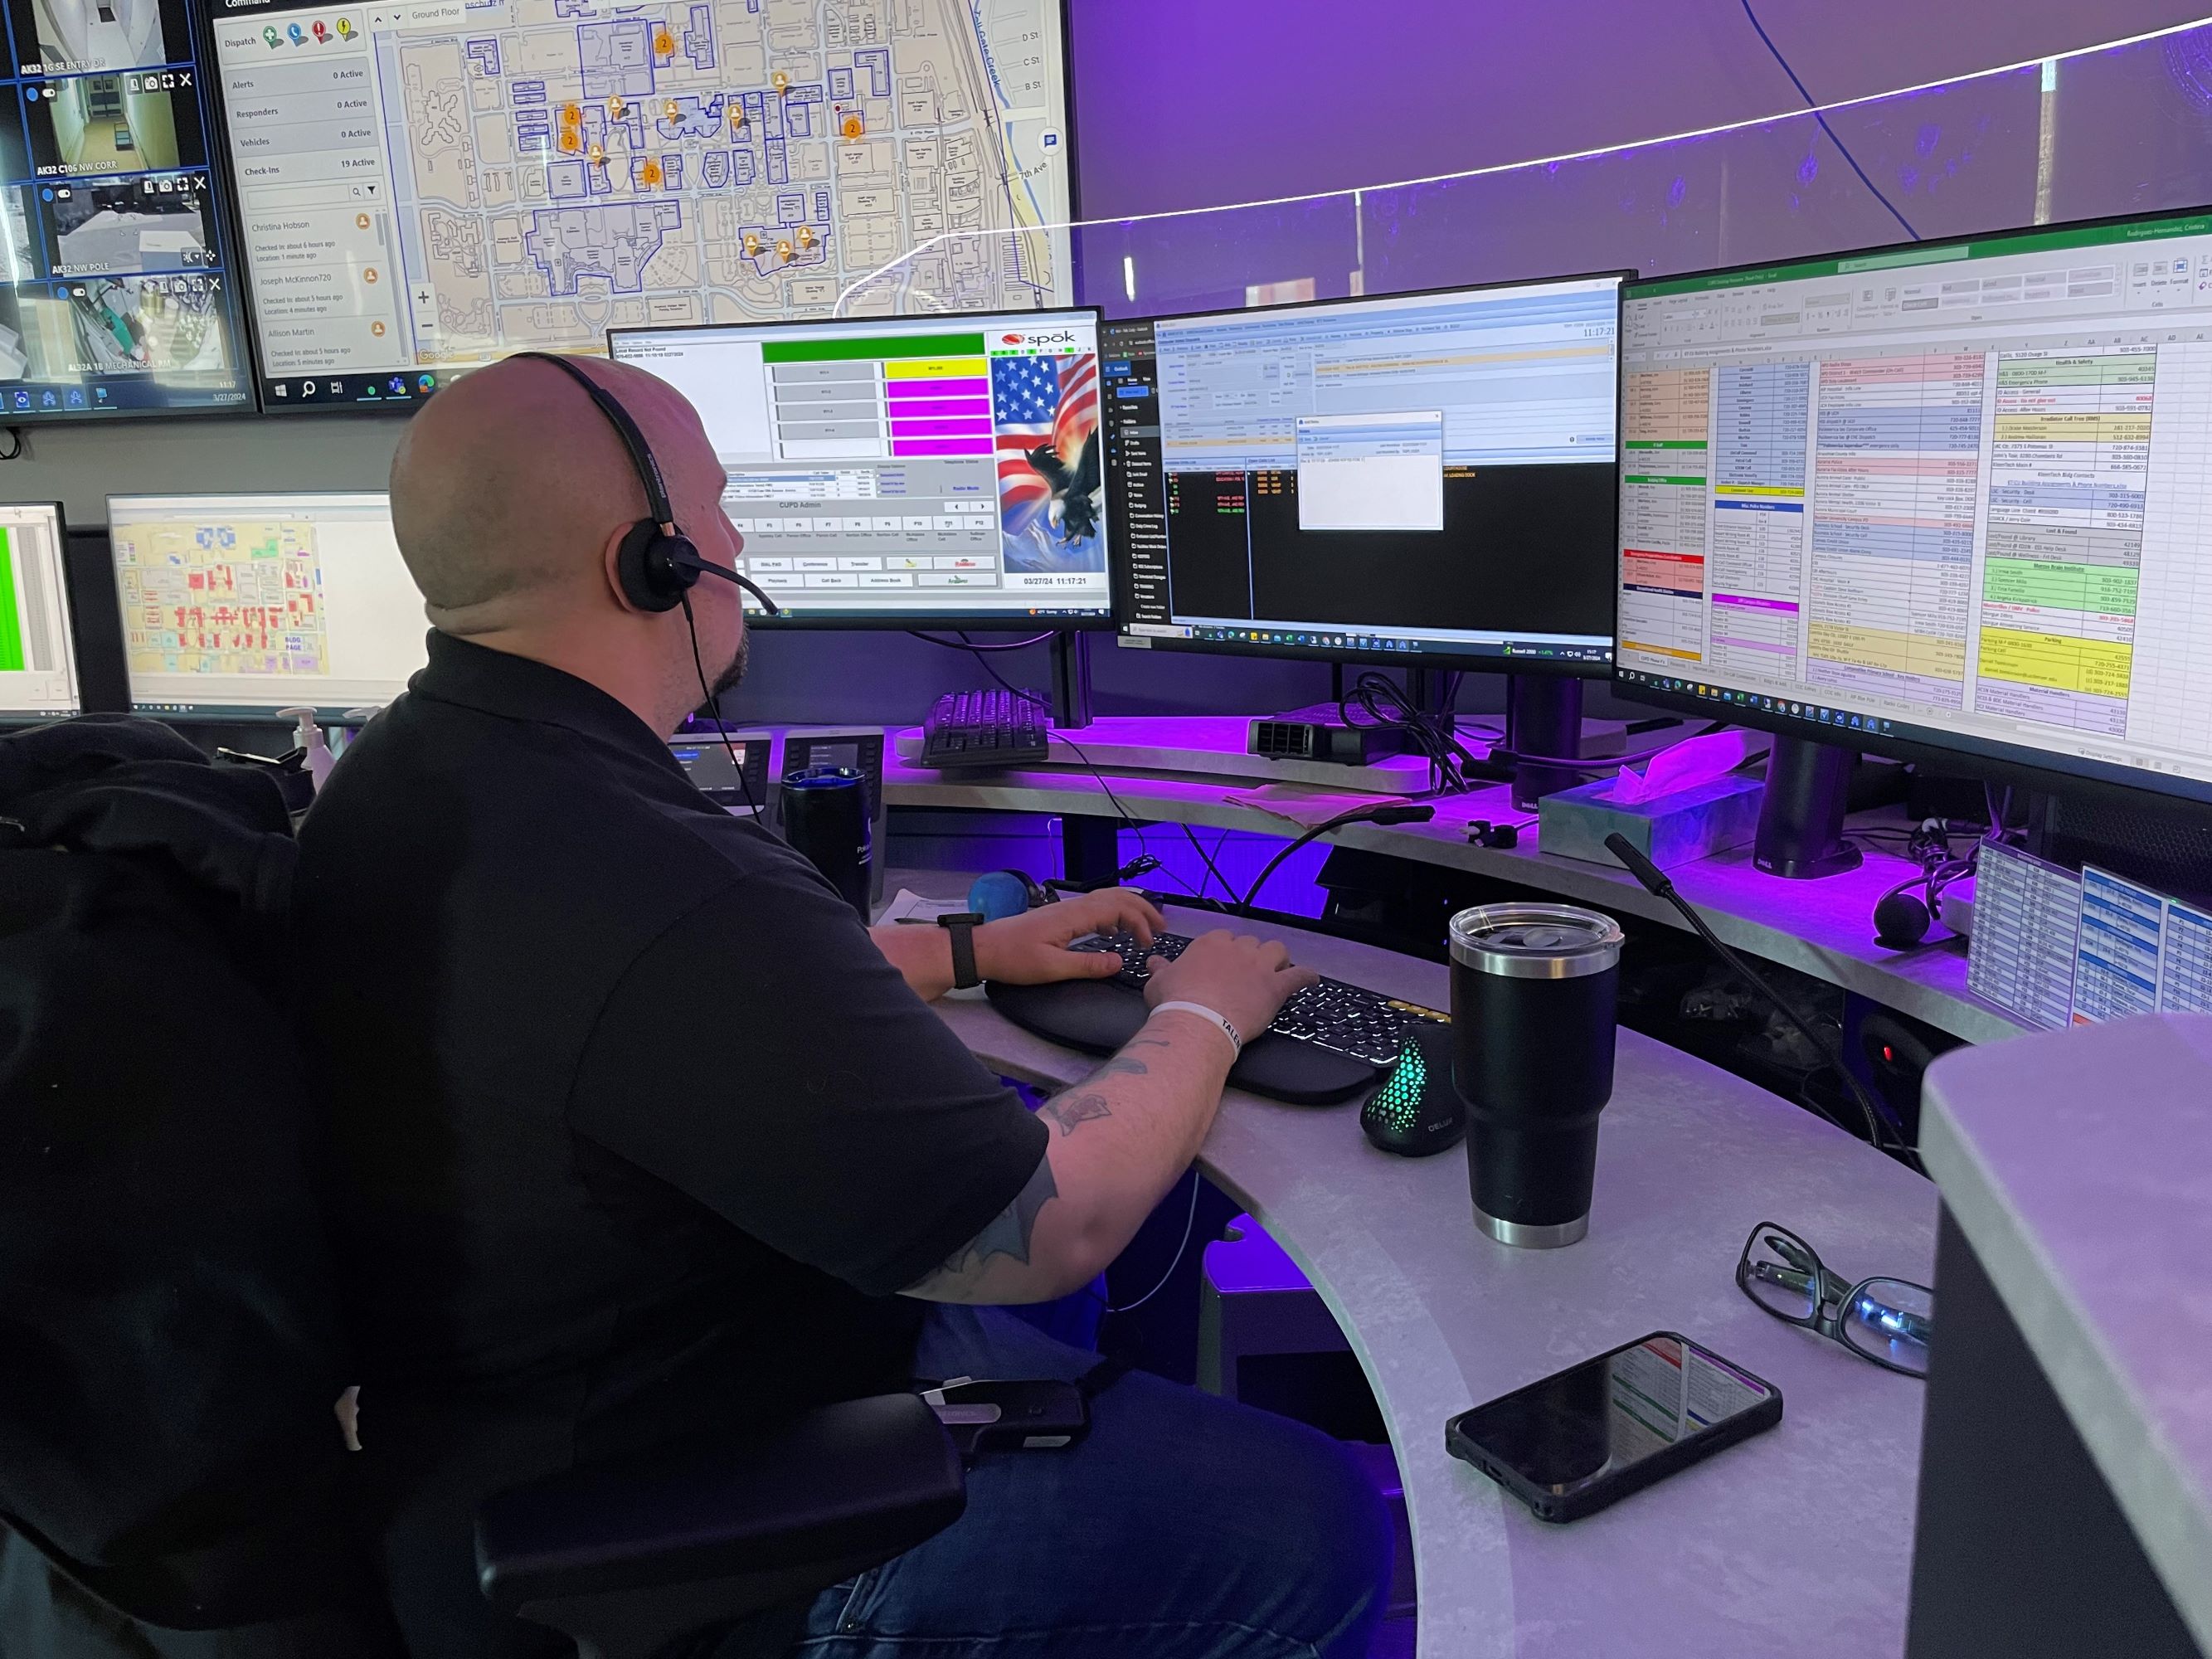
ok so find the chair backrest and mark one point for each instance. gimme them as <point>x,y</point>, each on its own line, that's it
<point>167,1303</point>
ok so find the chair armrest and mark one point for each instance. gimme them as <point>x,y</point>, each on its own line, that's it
<point>627,1556</point>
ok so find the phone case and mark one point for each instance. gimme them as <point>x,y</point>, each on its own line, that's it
<point>1561,1507</point>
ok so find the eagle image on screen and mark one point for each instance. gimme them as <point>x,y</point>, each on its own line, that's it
<point>1045,410</point>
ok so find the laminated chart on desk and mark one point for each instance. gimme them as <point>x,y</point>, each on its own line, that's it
<point>2116,954</point>
<point>2027,917</point>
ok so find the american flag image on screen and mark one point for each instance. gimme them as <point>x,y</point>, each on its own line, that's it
<point>1046,413</point>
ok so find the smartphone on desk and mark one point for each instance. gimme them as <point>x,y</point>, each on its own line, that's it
<point>1576,1442</point>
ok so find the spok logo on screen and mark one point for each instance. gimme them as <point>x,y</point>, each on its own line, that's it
<point>1061,339</point>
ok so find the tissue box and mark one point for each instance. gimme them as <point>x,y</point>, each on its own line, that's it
<point>1668,830</point>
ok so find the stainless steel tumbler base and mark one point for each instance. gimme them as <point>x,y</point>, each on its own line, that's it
<point>1522,1236</point>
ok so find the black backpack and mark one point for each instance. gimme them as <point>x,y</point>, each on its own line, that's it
<point>170,1345</point>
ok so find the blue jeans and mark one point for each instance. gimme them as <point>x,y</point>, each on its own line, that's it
<point>1183,1526</point>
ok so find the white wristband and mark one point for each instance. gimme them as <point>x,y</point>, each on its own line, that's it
<point>1209,1015</point>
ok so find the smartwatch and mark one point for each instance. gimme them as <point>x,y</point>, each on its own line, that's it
<point>962,925</point>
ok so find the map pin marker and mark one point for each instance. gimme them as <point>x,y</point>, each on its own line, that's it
<point>299,35</point>
<point>322,31</point>
<point>345,28</point>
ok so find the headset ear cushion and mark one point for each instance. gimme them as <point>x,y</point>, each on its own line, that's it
<point>648,580</point>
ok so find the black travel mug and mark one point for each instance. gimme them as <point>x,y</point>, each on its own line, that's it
<point>1533,993</point>
<point>826,818</point>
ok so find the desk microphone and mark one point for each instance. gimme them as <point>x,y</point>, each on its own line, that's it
<point>1373,812</point>
<point>1656,882</point>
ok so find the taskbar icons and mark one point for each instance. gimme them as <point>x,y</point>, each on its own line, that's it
<point>1812,714</point>
<point>1309,641</point>
<point>350,389</point>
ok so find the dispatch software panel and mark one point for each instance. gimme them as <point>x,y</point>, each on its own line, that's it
<point>242,605</point>
<point>37,665</point>
<point>1957,494</point>
<point>914,470</point>
<point>427,185</point>
<point>1423,475</point>
<point>116,291</point>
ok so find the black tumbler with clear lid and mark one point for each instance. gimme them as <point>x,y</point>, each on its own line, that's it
<point>1533,993</point>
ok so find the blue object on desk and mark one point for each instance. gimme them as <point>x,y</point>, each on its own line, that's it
<point>998,894</point>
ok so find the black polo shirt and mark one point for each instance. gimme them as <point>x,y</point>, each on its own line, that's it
<point>638,1133</point>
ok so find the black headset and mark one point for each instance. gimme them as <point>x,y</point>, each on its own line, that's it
<point>658,564</point>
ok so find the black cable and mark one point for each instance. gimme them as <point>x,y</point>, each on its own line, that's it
<point>1190,1222</point>
<point>1112,800</point>
<point>1661,885</point>
<point>1382,705</point>
<point>1813,105</point>
<point>1366,812</point>
<point>708,701</point>
<point>964,643</point>
<point>16,433</point>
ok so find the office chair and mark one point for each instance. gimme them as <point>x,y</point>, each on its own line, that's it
<point>166,1439</point>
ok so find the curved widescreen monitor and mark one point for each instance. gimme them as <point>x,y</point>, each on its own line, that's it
<point>1953,498</point>
<point>1423,479</point>
<point>38,648</point>
<point>425,186</point>
<point>236,606</point>
<point>116,291</point>
<point>932,471</point>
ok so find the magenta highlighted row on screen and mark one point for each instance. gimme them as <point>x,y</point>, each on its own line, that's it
<point>974,386</point>
<point>905,448</point>
<point>908,408</point>
<point>1754,603</point>
<point>964,426</point>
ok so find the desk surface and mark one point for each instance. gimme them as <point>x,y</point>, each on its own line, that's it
<point>1824,928</point>
<point>2078,1163</point>
<point>1797,1542</point>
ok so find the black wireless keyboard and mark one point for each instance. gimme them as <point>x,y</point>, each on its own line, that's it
<point>985,728</point>
<point>1344,1019</point>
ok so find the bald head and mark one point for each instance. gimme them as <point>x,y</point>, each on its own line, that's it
<point>509,483</point>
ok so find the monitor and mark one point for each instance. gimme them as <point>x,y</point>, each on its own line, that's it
<point>425,186</point>
<point>1423,480</point>
<point>236,606</point>
<point>116,289</point>
<point>1947,500</point>
<point>931,471</point>
<point>38,647</point>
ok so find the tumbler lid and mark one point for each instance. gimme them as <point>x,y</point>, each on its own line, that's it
<point>1535,941</point>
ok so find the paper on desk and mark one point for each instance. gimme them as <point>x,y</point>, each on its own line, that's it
<point>907,905</point>
<point>1685,765</point>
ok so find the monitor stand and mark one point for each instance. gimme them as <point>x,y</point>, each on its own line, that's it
<point>1070,680</point>
<point>1801,819</point>
<point>1543,716</point>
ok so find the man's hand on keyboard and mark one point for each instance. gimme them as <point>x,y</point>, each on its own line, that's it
<point>1239,977</point>
<point>1031,949</point>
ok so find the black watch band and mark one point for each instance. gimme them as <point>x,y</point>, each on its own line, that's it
<point>962,925</point>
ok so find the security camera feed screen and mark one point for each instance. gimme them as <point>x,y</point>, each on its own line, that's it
<point>116,294</point>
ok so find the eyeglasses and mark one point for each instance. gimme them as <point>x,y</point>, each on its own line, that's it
<point>1885,1320</point>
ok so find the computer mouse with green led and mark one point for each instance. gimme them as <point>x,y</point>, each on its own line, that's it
<point>1416,1111</point>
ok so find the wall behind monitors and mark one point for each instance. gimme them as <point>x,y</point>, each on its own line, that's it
<point>425,187</point>
<point>116,294</point>
<point>1954,496</point>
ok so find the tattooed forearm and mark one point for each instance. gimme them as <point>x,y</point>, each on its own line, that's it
<point>1008,1234</point>
<point>1071,1110</point>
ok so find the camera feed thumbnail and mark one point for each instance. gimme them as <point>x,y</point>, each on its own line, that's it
<point>175,328</point>
<point>94,125</point>
<point>77,36</point>
<point>115,227</point>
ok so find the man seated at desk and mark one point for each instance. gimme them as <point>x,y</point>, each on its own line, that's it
<point>641,1135</point>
